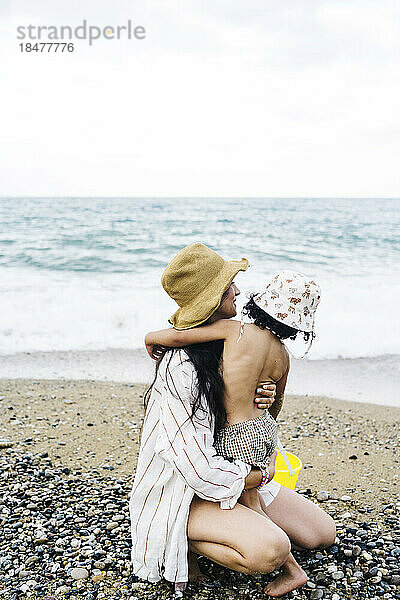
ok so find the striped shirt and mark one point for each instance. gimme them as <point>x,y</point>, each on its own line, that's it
<point>176,460</point>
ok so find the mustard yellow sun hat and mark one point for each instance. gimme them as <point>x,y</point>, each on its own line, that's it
<point>196,279</point>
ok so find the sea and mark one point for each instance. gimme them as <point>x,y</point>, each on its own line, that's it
<point>84,273</point>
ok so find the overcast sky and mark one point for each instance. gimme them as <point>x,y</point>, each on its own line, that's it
<point>222,98</point>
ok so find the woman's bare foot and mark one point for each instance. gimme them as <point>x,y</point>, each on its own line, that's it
<point>292,577</point>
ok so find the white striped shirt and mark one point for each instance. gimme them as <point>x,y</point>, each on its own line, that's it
<point>176,460</point>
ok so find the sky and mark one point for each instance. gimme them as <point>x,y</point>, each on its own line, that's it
<point>228,98</point>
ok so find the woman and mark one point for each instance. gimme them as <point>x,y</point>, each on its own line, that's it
<point>182,488</point>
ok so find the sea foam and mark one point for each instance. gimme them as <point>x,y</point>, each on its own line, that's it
<point>55,310</point>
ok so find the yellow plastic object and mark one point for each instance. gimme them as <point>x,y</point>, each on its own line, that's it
<point>282,474</point>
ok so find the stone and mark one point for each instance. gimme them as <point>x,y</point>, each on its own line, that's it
<point>79,573</point>
<point>337,575</point>
<point>332,568</point>
<point>5,443</point>
<point>118,518</point>
<point>23,574</point>
<point>358,574</point>
<point>322,496</point>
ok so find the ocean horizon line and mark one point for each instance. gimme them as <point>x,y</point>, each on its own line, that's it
<point>208,197</point>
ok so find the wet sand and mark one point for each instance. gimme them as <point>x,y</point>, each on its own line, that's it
<point>375,380</point>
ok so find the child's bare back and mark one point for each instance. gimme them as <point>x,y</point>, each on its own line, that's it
<point>257,358</point>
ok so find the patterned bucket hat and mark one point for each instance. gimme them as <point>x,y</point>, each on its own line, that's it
<point>291,298</point>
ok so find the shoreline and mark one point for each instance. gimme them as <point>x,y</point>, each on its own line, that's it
<point>373,380</point>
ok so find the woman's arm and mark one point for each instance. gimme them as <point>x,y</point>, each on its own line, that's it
<point>172,338</point>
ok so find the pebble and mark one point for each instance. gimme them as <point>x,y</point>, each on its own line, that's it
<point>63,589</point>
<point>337,575</point>
<point>322,496</point>
<point>79,573</point>
<point>70,538</point>
<point>6,443</point>
<point>358,574</point>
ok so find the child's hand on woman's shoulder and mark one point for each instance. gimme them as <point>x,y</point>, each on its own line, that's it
<point>154,350</point>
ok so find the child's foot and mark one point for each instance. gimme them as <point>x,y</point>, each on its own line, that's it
<point>292,577</point>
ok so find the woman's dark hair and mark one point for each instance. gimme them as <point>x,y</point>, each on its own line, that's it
<point>206,359</point>
<point>264,321</point>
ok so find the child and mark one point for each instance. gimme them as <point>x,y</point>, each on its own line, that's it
<point>254,355</point>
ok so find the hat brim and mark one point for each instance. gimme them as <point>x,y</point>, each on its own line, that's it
<point>292,318</point>
<point>208,299</point>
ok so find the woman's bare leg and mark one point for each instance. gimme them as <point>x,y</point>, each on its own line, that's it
<point>306,524</point>
<point>292,575</point>
<point>239,539</point>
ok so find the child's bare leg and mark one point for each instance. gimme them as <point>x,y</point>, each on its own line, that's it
<point>292,575</point>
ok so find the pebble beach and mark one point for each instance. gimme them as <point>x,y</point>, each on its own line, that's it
<point>68,451</point>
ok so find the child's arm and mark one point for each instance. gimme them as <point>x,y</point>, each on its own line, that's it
<point>172,338</point>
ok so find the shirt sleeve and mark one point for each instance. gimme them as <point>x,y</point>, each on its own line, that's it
<point>187,443</point>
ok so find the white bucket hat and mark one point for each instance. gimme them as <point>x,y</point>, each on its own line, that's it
<point>291,298</point>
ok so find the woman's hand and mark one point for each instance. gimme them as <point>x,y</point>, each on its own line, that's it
<point>265,395</point>
<point>253,479</point>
